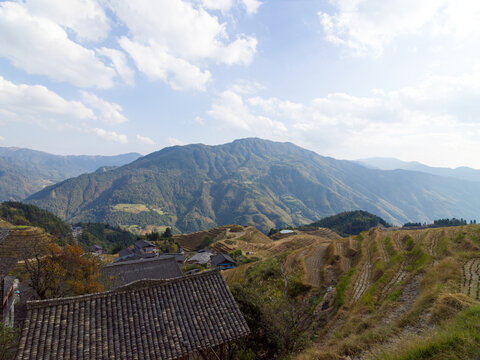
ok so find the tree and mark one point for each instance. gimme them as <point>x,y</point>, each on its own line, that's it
<point>167,233</point>
<point>54,271</point>
<point>8,342</point>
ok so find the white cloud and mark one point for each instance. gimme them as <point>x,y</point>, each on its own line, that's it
<point>36,101</point>
<point>222,5</point>
<point>145,140</point>
<point>199,120</point>
<point>434,120</point>
<point>110,135</point>
<point>230,108</point>
<point>107,112</point>
<point>85,17</point>
<point>40,46</point>
<point>367,26</point>
<point>171,141</point>
<point>119,63</point>
<point>158,64</point>
<point>251,5</point>
<point>171,39</point>
<point>2,138</point>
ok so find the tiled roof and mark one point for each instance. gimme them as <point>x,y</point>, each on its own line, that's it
<point>143,244</point>
<point>125,272</point>
<point>200,258</point>
<point>155,319</point>
<point>177,256</point>
<point>125,252</point>
<point>221,258</point>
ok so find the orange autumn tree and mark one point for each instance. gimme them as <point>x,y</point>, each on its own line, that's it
<point>67,271</point>
<point>76,273</point>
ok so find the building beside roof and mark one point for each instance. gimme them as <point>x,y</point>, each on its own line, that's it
<point>144,246</point>
<point>191,317</point>
<point>223,261</point>
<point>201,258</point>
<point>122,273</point>
<point>96,249</point>
<point>8,287</point>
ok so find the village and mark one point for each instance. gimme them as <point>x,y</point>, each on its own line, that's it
<point>153,305</point>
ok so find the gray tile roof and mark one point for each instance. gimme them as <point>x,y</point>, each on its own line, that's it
<point>221,258</point>
<point>156,319</point>
<point>125,272</point>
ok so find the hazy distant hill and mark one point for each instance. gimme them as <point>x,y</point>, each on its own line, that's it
<point>463,172</point>
<point>25,171</point>
<point>252,181</point>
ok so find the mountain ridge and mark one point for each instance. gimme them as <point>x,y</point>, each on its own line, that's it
<point>252,182</point>
<point>25,171</point>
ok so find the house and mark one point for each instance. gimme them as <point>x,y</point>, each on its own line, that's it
<point>144,247</point>
<point>191,317</point>
<point>200,258</point>
<point>8,286</point>
<point>96,249</point>
<point>223,261</point>
<point>122,273</point>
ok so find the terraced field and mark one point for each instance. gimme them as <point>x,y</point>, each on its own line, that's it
<point>314,264</point>
<point>471,278</point>
<point>397,278</point>
<point>363,280</point>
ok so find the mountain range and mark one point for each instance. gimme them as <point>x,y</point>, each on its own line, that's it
<point>252,182</point>
<point>24,171</point>
<point>463,172</point>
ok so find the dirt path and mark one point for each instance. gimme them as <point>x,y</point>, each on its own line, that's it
<point>384,251</point>
<point>314,265</point>
<point>285,288</point>
<point>396,242</point>
<point>471,278</point>
<point>363,280</point>
<point>433,245</point>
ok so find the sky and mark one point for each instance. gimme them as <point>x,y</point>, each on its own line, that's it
<point>349,79</point>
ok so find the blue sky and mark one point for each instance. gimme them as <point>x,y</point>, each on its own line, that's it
<point>345,78</point>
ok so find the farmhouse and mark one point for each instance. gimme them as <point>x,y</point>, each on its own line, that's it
<point>191,317</point>
<point>223,261</point>
<point>125,272</point>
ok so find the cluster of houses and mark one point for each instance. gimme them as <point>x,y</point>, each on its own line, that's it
<point>149,310</point>
<point>144,249</point>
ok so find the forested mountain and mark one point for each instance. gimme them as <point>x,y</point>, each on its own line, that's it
<point>252,181</point>
<point>463,172</point>
<point>350,222</point>
<point>25,171</point>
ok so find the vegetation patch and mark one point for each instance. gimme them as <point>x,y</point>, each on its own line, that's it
<point>458,338</point>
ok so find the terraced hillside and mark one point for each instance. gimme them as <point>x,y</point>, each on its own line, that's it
<point>383,294</point>
<point>16,241</point>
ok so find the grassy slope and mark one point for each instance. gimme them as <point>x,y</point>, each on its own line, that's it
<point>429,298</point>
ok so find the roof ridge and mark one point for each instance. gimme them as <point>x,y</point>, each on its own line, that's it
<point>139,261</point>
<point>158,283</point>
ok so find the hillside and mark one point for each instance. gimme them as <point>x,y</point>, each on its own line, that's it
<point>252,182</point>
<point>25,171</point>
<point>350,222</point>
<point>383,294</point>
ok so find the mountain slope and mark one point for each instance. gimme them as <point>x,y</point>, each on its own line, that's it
<point>25,171</point>
<point>252,182</point>
<point>463,172</point>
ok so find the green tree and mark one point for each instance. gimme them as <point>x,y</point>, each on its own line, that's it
<point>8,342</point>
